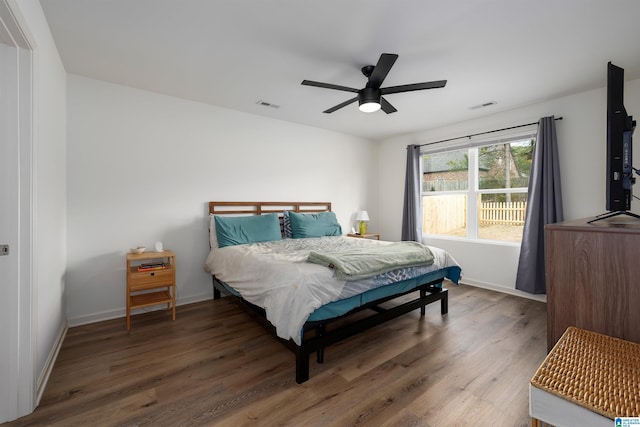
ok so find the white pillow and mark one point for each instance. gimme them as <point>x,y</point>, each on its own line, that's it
<point>213,237</point>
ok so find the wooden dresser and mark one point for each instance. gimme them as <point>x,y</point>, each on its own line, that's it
<point>593,277</point>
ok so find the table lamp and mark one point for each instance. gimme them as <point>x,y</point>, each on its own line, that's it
<point>363,217</point>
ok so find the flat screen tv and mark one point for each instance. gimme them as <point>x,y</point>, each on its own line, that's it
<point>619,159</point>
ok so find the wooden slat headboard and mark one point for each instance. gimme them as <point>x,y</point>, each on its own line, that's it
<point>260,208</point>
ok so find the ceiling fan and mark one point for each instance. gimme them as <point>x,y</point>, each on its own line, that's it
<point>370,97</point>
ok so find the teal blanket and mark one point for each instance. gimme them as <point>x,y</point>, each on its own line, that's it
<point>361,263</point>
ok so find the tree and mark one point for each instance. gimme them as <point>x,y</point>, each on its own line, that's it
<point>523,156</point>
<point>461,164</point>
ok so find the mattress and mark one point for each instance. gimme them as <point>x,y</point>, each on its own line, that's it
<point>275,276</point>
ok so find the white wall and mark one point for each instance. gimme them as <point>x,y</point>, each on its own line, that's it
<point>142,167</point>
<point>582,148</point>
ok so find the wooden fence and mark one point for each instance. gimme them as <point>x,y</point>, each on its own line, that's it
<point>444,214</point>
<point>506,213</point>
<point>448,214</point>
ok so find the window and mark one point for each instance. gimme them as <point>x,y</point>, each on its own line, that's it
<point>479,192</point>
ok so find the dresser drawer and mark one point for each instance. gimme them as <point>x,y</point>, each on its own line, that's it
<point>146,279</point>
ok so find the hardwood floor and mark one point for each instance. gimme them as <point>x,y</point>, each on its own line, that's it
<point>216,366</point>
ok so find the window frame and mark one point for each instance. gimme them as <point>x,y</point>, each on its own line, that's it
<point>473,191</point>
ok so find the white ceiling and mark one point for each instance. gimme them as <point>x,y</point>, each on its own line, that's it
<point>233,53</point>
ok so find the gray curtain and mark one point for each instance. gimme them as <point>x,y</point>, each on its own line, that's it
<point>544,206</point>
<point>411,215</point>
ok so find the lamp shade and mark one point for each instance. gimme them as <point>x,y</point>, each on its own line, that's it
<point>362,216</point>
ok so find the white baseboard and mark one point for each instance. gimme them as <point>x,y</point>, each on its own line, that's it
<point>51,360</point>
<point>505,290</point>
<point>121,312</point>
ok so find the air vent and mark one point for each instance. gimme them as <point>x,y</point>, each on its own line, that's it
<point>483,105</point>
<point>267,104</point>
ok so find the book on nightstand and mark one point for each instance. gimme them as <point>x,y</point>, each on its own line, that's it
<point>152,266</point>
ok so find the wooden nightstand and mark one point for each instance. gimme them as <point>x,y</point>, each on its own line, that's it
<point>365,236</point>
<point>153,285</point>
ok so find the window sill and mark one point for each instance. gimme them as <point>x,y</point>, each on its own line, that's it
<point>467,240</point>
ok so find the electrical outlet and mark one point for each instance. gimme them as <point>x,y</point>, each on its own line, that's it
<point>4,250</point>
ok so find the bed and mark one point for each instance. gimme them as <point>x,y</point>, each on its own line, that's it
<point>291,267</point>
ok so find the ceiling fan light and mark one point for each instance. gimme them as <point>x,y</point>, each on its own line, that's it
<point>369,100</point>
<point>369,106</point>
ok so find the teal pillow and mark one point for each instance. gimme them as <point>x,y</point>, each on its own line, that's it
<point>238,230</point>
<point>314,225</point>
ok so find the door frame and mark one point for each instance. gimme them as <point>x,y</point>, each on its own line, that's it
<point>22,330</point>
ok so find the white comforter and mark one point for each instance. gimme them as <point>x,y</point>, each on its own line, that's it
<point>276,276</point>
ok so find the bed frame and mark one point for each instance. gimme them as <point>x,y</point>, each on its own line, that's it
<point>319,334</point>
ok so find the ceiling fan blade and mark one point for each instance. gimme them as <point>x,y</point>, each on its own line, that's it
<point>328,86</point>
<point>416,86</point>
<point>381,69</point>
<point>339,106</point>
<point>386,107</point>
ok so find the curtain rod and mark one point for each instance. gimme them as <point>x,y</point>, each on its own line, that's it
<point>483,133</point>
